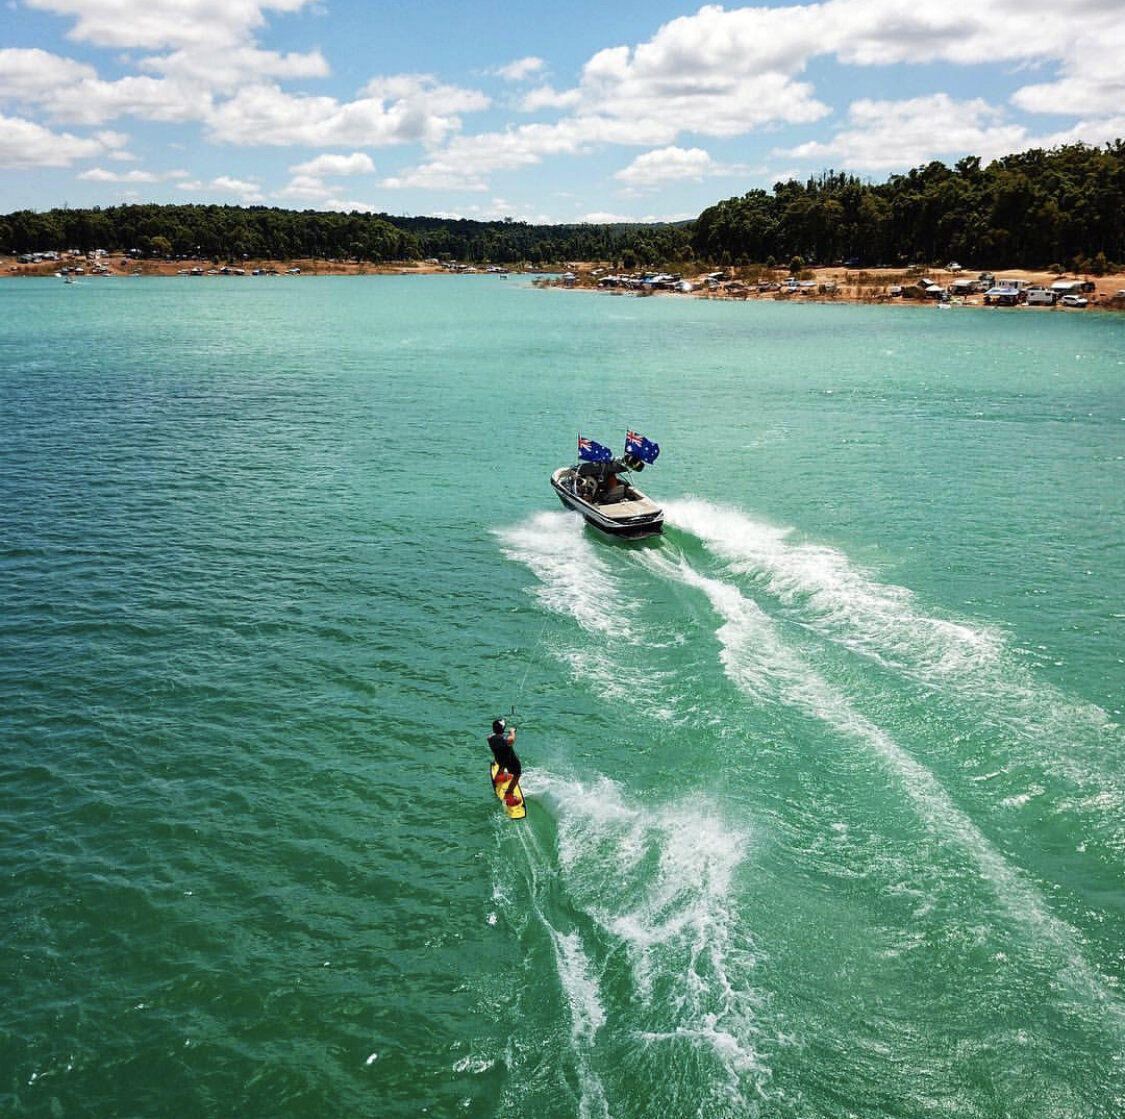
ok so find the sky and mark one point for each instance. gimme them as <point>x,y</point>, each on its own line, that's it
<point>539,112</point>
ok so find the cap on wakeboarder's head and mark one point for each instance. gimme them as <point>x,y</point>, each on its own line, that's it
<point>498,726</point>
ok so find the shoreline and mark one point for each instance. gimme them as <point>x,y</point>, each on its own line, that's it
<point>827,285</point>
<point>115,264</point>
<point>838,284</point>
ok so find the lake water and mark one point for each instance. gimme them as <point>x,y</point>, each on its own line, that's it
<point>826,786</point>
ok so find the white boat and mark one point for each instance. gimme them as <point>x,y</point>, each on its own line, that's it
<point>603,493</point>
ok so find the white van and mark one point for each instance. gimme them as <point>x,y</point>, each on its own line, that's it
<point>1040,297</point>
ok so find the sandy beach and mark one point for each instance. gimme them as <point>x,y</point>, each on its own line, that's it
<point>859,285</point>
<point>115,264</point>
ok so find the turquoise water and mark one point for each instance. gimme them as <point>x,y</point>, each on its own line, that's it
<point>826,787</point>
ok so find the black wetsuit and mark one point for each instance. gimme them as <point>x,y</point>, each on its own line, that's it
<point>505,755</point>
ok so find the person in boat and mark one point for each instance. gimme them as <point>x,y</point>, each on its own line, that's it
<point>612,489</point>
<point>502,740</point>
<point>600,482</point>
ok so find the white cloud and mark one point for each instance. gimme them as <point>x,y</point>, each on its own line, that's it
<point>886,32</point>
<point>466,160</point>
<point>546,97</point>
<point>311,192</point>
<point>520,70</point>
<point>93,102</point>
<point>423,92</point>
<point>436,176</point>
<point>726,73</point>
<point>236,186</point>
<point>1085,93</point>
<point>159,24</point>
<point>237,66</point>
<point>355,164</point>
<point>496,209</point>
<point>885,135</point>
<point>403,109</point>
<point>247,190</point>
<point>670,163</point>
<point>1092,80</point>
<point>714,73</point>
<point>308,180</point>
<point>1092,132</point>
<point>213,54</point>
<point>347,206</point>
<point>71,92</point>
<point>100,175</point>
<point>25,144</point>
<point>33,75</point>
<point>695,75</point>
<point>305,186</point>
<point>604,217</point>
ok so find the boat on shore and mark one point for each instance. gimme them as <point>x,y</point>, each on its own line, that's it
<point>599,488</point>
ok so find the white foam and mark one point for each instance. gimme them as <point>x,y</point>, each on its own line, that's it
<point>837,598</point>
<point>690,959</point>
<point>848,606</point>
<point>580,988</point>
<point>475,1065</point>
<point>748,642</point>
<point>752,655</point>
<point>576,581</point>
<point>599,667</point>
<point>586,1011</point>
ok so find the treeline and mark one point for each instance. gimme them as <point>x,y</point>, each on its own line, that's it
<point>234,233</point>
<point>512,242</point>
<point>1065,206</point>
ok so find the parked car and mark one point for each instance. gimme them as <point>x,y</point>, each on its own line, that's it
<point>1074,301</point>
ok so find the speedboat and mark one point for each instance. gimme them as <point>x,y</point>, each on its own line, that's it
<point>603,494</point>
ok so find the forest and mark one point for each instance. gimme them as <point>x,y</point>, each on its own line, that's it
<point>1036,209</point>
<point>236,233</point>
<point>1064,206</point>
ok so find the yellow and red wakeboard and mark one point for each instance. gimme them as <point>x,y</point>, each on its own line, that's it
<point>514,811</point>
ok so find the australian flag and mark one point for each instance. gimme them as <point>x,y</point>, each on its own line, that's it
<point>590,451</point>
<point>642,448</point>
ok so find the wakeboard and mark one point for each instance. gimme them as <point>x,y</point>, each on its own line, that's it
<point>514,811</point>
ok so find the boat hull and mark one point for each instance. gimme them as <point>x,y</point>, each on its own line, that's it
<point>632,519</point>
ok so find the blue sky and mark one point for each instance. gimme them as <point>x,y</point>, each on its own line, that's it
<point>541,112</point>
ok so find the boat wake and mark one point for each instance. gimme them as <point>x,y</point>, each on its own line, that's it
<point>1036,736</point>
<point>751,638</point>
<point>651,955</point>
